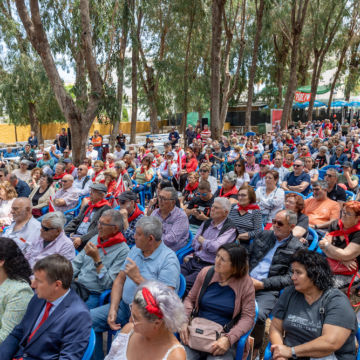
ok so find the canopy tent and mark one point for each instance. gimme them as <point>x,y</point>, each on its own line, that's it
<point>323,89</point>
<point>193,117</point>
<point>354,104</point>
<point>339,104</point>
<point>299,106</point>
<point>316,104</point>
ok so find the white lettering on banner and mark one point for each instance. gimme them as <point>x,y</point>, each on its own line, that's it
<point>302,97</point>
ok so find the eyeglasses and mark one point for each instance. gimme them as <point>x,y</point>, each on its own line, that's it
<point>117,167</point>
<point>347,214</point>
<point>46,228</point>
<point>85,162</point>
<point>237,165</point>
<point>296,165</point>
<point>303,149</point>
<point>329,175</point>
<point>279,223</point>
<point>161,198</point>
<point>242,195</point>
<point>65,181</point>
<point>101,224</point>
<point>203,170</point>
<point>122,202</point>
<point>66,152</point>
<point>132,317</point>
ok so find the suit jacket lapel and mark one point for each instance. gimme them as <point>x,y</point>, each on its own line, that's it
<point>60,309</point>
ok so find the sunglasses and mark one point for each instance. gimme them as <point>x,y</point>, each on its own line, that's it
<point>117,167</point>
<point>122,202</point>
<point>46,228</point>
<point>201,194</point>
<point>295,165</point>
<point>202,170</point>
<point>64,181</point>
<point>279,223</point>
<point>237,165</point>
<point>329,175</point>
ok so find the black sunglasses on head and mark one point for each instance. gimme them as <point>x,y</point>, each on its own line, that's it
<point>46,228</point>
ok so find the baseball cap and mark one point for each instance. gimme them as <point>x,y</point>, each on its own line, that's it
<point>127,195</point>
<point>347,164</point>
<point>99,187</point>
<point>170,153</point>
<point>265,162</point>
<point>250,153</point>
<point>66,161</point>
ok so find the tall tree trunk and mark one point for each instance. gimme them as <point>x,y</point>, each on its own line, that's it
<point>134,108</point>
<point>259,17</point>
<point>314,84</point>
<point>297,24</point>
<point>34,122</point>
<point>227,91</point>
<point>353,70</point>
<point>281,54</point>
<point>217,14</point>
<point>341,62</point>
<point>200,113</point>
<point>79,122</point>
<point>186,87</point>
<point>120,85</point>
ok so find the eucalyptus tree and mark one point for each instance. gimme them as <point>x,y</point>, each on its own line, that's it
<point>354,73</point>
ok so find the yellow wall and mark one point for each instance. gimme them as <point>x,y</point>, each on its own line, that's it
<point>7,132</point>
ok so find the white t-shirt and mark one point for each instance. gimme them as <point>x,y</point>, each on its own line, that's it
<point>93,155</point>
<point>241,180</point>
<point>119,154</point>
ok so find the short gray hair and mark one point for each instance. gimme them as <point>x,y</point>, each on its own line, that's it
<point>173,192</point>
<point>62,165</point>
<point>290,216</point>
<point>121,164</point>
<point>324,148</point>
<point>302,162</point>
<point>166,299</point>
<point>224,203</point>
<point>57,219</point>
<point>231,178</point>
<point>116,218</point>
<point>322,183</point>
<point>340,147</point>
<point>336,173</point>
<point>111,155</point>
<point>151,225</point>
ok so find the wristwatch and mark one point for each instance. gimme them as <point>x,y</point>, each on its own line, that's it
<point>97,264</point>
<point>293,353</point>
<point>315,226</point>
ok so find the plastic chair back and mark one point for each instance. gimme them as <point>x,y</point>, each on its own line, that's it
<point>358,340</point>
<point>91,346</point>
<point>250,133</point>
<point>322,174</point>
<point>182,288</point>
<point>349,195</point>
<point>294,192</point>
<point>315,241</point>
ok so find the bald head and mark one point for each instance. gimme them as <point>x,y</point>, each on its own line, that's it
<point>67,181</point>
<point>21,210</point>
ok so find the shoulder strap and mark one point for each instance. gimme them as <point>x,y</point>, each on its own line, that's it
<point>87,178</point>
<point>323,304</point>
<point>204,286</point>
<point>206,225</point>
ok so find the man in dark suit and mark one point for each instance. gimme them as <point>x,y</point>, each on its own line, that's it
<point>57,323</point>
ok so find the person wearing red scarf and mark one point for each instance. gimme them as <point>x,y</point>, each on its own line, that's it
<point>82,228</point>
<point>131,214</point>
<point>342,240</point>
<point>106,253</point>
<point>191,187</point>
<point>304,152</point>
<point>189,165</point>
<point>228,189</point>
<point>98,171</point>
<point>70,169</point>
<point>59,172</point>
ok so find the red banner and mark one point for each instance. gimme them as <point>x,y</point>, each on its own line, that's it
<point>302,97</point>
<point>275,116</point>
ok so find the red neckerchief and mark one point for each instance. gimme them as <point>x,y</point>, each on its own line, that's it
<point>343,232</point>
<point>248,207</point>
<point>210,156</point>
<point>157,156</point>
<point>190,188</point>
<point>233,191</point>
<point>166,164</point>
<point>262,175</point>
<point>57,177</point>
<point>99,204</point>
<point>307,155</point>
<point>178,150</point>
<point>111,165</point>
<point>89,167</point>
<point>123,172</point>
<point>142,170</point>
<point>71,170</point>
<point>136,213</point>
<point>285,165</point>
<point>96,175</point>
<point>117,239</point>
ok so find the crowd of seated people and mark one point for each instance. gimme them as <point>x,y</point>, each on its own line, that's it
<point>75,232</point>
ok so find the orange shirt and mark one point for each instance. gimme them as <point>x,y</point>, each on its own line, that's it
<point>321,211</point>
<point>97,142</point>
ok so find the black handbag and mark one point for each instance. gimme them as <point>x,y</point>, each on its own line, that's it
<point>81,290</point>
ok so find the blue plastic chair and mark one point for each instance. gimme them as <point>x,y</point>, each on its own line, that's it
<point>349,195</point>
<point>294,192</point>
<point>315,241</point>
<point>139,206</point>
<point>134,182</point>
<point>146,191</point>
<point>322,174</point>
<point>242,341</point>
<point>337,167</point>
<point>310,195</point>
<point>182,288</point>
<point>186,250</point>
<point>5,228</point>
<point>76,209</point>
<point>91,346</point>
<point>358,340</point>
<point>76,253</point>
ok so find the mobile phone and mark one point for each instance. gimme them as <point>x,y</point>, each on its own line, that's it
<point>198,210</point>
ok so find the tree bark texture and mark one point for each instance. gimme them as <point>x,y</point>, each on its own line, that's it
<point>353,70</point>
<point>281,53</point>
<point>79,122</point>
<point>227,91</point>
<point>298,13</point>
<point>259,17</point>
<point>217,14</point>
<point>34,122</point>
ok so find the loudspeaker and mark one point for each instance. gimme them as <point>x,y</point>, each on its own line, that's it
<point>204,121</point>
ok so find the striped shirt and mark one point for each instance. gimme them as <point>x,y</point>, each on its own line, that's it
<point>250,223</point>
<point>175,228</point>
<point>70,196</point>
<point>205,132</point>
<point>140,178</point>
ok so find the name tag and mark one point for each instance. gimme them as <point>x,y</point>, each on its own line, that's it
<point>86,219</point>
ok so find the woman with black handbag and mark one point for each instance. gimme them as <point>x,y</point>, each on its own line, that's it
<point>228,284</point>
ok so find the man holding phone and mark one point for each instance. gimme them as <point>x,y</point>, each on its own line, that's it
<point>199,207</point>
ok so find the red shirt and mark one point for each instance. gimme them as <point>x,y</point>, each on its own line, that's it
<point>191,165</point>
